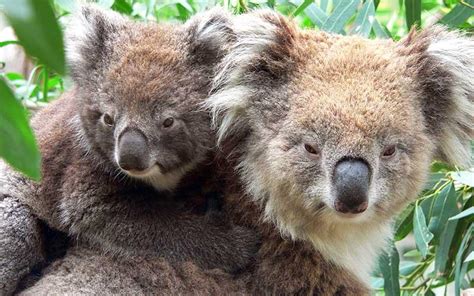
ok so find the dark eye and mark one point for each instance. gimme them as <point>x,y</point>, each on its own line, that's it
<point>168,122</point>
<point>108,120</point>
<point>389,151</point>
<point>312,150</point>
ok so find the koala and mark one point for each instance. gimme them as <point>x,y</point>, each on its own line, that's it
<point>301,117</point>
<point>332,136</point>
<point>122,149</point>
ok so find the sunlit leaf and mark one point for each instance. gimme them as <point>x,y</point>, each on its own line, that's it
<point>67,5</point>
<point>364,19</point>
<point>17,142</point>
<point>380,31</point>
<point>316,15</point>
<point>464,177</point>
<point>341,14</point>
<point>463,214</point>
<point>302,7</point>
<point>470,257</point>
<point>37,29</point>
<point>122,6</point>
<point>105,3</point>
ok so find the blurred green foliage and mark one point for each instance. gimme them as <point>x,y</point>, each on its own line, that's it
<point>440,221</point>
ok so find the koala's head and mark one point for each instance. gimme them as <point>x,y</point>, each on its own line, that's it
<point>341,129</point>
<point>139,89</point>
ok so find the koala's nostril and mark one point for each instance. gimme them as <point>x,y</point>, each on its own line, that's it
<point>133,153</point>
<point>351,181</point>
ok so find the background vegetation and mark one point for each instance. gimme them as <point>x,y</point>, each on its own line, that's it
<point>435,232</point>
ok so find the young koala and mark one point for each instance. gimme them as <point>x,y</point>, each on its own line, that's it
<point>333,136</point>
<point>115,149</point>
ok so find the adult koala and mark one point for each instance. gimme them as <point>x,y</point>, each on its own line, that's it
<point>331,136</point>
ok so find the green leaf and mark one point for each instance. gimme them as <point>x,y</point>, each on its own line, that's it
<point>443,250</point>
<point>122,6</point>
<point>380,31</point>
<point>5,43</point>
<point>413,13</point>
<point>302,7</point>
<point>464,177</point>
<point>463,214</point>
<point>67,5</point>
<point>341,14</point>
<point>389,266</point>
<point>37,29</point>
<point>459,14</point>
<point>422,234</point>
<point>364,19</point>
<point>444,207</point>
<point>17,142</point>
<point>408,267</point>
<point>105,3</point>
<point>404,223</point>
<point>459,270</point>
<point>316,15</point>
<point>434,179</point>
<point>470,257</point>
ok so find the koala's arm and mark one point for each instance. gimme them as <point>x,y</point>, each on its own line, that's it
<point>21,243</point>
<point>133,225</point>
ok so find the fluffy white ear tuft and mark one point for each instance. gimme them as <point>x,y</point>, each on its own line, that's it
<point>210,34</point>
<point>255,33</point>
<point>454,53</point>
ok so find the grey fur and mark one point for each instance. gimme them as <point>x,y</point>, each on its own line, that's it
<point>140,74</point>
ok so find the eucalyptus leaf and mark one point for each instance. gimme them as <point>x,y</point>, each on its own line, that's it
<point>364,19</point>
<point>404,223</point>
<point>389,266</point>
<point>459,270</point>
<point>17,143</point>
<point>67,5</point>
<point>469,257</point>
<point>302,7</point>
<point>37,29</point>
<point>464,177</point>
<point>317,16</point>
<point>422,234</point>
<point>343,11</point>
<point>413,12</point>
<point>465,213</point>
<point>459,14</point>
<point>380,31</point>
<point>444,207</point>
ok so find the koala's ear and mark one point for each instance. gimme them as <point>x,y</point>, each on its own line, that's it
<point>443,63</point>
<point>209,35</point>
<point>89,39</point>
<point>261,50</point>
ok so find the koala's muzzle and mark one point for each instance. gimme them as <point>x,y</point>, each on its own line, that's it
<point>351,181</point>
<point>133,152</point>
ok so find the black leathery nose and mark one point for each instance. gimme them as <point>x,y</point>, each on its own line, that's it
<point>351,181</point>
<point>133,151</point>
